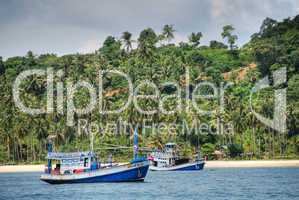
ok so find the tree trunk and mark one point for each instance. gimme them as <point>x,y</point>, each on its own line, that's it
<point>259,146</point>
<point>27,152</point>
<point>273,144</point>
<point>8,148</point>
<point>253,140</point>
<point>21,151</point>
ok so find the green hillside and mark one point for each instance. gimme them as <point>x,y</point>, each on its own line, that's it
<point>23,137</point>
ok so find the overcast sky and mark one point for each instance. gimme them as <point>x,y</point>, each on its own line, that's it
<point>70,26</point>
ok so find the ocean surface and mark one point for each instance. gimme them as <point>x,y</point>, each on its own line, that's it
<point>234,183</point>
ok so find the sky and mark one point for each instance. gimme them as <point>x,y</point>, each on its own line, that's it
<point>75,26</point>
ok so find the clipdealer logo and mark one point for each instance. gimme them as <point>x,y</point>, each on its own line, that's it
<point>65,95</point>
<point>278,122</point>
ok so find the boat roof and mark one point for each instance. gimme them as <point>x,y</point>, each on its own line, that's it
<point>72,155</point>
<point>170,144</point>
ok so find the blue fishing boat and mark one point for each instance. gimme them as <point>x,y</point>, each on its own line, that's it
<point>84,167</point>
<point>169,160</point>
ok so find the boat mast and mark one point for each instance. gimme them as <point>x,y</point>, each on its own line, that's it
<point>91,141</point>
<point>50,149</point>
<point>135,147</point>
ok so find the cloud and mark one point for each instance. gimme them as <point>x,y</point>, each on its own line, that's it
<point>90,46</point>
<point>71,26</point>
<point>218,8</point>
<point>247,16</point>
<point>180,38</point>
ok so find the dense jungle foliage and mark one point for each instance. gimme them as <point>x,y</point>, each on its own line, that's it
<point>155,58</point>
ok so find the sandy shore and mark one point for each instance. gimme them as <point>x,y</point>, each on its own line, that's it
<point>21,168</point>
<point>252,163</point>
<point>209,164</point>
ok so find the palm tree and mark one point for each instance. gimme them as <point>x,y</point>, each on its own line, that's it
<point>227,34</point>
<point>7,114</point>
<point>156,141</point>
<point>146,43</point>
<point>194,38</point>
<point>126,37</point>
<point>167,32</point>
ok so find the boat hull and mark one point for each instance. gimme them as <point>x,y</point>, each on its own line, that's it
<point>127,173</point>
<point>183,167</point>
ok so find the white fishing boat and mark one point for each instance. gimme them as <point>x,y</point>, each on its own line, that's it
<point>169,160</point>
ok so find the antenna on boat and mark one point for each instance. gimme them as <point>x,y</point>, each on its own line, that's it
<point>50,150</point>
<point>135,148</point>
<point>91,141</point>
<point>50,143</point>
<point>198,148</point>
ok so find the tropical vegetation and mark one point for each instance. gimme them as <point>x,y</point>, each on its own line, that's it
<point>23,137</point>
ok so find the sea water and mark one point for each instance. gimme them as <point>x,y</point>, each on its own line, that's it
<point>234,183</point>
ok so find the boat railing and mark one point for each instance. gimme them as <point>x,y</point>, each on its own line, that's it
<point>79,171</point>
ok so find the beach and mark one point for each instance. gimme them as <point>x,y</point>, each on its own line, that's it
<point>209,164</point>
<point>252,163</point>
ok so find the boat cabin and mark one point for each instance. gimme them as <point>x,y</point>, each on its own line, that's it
<point>170,147</point>
<point>167,157</point>
<point>71,163</point>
